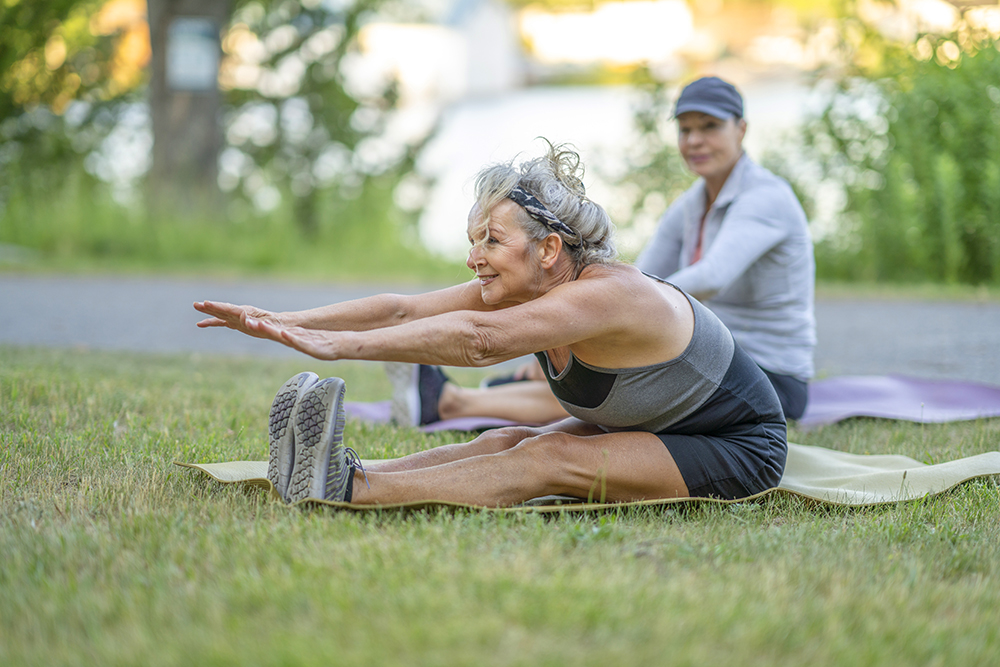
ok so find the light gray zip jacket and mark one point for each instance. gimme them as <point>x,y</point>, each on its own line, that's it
<point>757,271</point>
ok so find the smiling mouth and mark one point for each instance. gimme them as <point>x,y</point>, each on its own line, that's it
<point>486,280</point>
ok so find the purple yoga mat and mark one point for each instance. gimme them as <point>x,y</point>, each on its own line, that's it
<point>899,397</point>
<point>830,400</point>
<point>378,413</point>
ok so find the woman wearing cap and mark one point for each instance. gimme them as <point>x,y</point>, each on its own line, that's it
<point>737,240</point>
<point>665,403</point>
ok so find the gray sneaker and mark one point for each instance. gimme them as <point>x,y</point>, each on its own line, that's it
<point>322,469</point>
<point>281,434</point>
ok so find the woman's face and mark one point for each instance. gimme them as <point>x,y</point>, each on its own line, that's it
<point>710,146</point>
<point>503,262</point>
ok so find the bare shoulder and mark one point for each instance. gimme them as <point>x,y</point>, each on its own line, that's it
<point>624,279</point>
<point>621,293</point>
<point>616,272</point>
<point>644,320</point>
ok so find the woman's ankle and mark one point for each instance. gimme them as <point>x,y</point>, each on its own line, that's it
<point>450,403</point>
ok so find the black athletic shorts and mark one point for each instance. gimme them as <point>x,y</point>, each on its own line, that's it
<point>747,454</point>
<point>792,392</point>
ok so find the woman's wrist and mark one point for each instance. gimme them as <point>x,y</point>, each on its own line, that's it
<point>291,319</point>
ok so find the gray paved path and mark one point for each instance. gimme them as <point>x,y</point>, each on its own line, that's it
<point>937,340</point>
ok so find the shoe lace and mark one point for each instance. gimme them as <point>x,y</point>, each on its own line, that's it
<point>354,461</point>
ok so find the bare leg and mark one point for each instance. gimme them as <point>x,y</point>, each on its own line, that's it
<point>493,441</point>
<point>528,402</point>
<point>607,466</point>
<point>490,442</point>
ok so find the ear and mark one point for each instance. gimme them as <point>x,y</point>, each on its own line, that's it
<point>741,126</point>
<point>549,249</point>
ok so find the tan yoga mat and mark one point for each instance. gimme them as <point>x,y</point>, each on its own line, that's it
<point>816,473</point>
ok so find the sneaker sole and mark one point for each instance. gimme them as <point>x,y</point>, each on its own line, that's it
<point>320,469</point>
<point>405,380</point>
<point>281,432</point>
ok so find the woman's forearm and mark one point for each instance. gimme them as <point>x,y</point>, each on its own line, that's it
<point>450,339</point>
<point>384,310</point>
<point>374,312</point>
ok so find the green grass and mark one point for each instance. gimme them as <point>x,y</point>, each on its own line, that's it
<point>858,291</point>
<point>111,555</point>
<point>75,227</point>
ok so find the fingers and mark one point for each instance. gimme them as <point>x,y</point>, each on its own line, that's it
<point>217,308</point>
<point>261,328</point>
<point>222,314</point>
<point>254,324</point>
<point>267,329</point>
<point>304,340</point>
<point>211,322</point>
<point>259,323</point>
<point>214,310</point>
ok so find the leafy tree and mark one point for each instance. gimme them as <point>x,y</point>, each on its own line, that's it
<point>43,52</point>
<point>652,173</point>
<point>297,127</point>
<point>913,135</point>
<point>52,55</point>
<point>294,123</point>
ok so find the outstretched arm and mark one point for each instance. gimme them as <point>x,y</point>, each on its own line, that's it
<point>375,312</point>
<point>587,314</point>
<point>447,339</point>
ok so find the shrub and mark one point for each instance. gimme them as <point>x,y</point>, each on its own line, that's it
<point>915,143</point>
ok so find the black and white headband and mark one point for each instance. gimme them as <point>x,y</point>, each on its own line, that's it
<point>537,210</point>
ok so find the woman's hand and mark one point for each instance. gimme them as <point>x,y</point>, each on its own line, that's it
<point>315,343</point>
<point>265,324</point>
<point>234,317</point>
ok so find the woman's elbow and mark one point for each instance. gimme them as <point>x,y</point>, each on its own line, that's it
<point>484,348</point>
<point>397,308</point>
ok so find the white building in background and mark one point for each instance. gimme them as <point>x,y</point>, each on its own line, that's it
<point>494,61</point>
<point>471,50</point>
<point>614,33</point>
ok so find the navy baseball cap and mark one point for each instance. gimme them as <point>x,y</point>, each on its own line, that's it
<point>710,95</point>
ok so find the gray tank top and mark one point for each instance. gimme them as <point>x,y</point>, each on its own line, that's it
<point>648,398</point>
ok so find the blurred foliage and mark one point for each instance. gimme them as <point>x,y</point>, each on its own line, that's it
<point>65,67</point>
<point>79,228</point>
<point>57,51</point>
<point>802,6</point>
<point>652,173</point>
<point>296,122</point>
<point>304,144</point>
<point>912,132</point>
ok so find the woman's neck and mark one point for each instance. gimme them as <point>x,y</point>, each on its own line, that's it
<point>714,184</point>
<point>564,271</point>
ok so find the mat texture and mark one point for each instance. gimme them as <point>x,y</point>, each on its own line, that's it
<point>830,400</point>
<point>819,474</point>
<point>899,397</point>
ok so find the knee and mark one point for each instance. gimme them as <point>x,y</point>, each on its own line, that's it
<point>547,448</point>
<point>503,439</point>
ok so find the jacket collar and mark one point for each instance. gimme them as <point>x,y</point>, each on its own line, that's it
<point>733,185</point>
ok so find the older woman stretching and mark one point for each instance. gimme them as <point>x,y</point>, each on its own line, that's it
<point>664,403</point>
<point>737,240</point>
